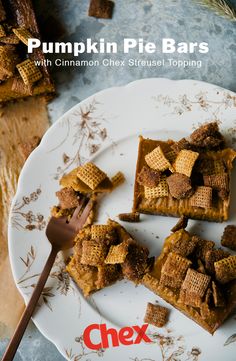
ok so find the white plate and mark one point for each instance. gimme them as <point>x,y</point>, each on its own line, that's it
<point>105,128</point>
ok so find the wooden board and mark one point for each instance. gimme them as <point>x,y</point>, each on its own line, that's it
<point>18,123</point>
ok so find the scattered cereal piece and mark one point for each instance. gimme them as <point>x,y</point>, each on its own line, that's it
<point>179,186</point>
<point>207,136</point>
<point>171,156</point>
<point>29,72</point>
<point>202,197</point>
<point>201,268</point>
<point>210,166</point>
<point>218,297</point>
<point>99,231</point>
<point>157,160</point>
<point>162,190</point>
<point>93,253</point>
<point>117,254</point>
<point>208,296</point>
<point>91,175</point>
<point>174,270</point>
<point>206,305</point>
<point>194,288</point>
<point>129,217</point>
<point>117,179</point>
<point>101,9</point>
<point>149,177</point>
<point>229,237</point>
<point>107,275</point>
<point>202,246</point>
<point>181,224</point>
<point>185,161</point>
<point>217,181</point>
<point>184,246</point>
<point>68,198</point>
<point>135,264</point>
<point>178,236</point>
<point>180,145</point>
<point>225,269</point>
<point>213,256</point>
<point>156,315</point>
<point>23,34</point>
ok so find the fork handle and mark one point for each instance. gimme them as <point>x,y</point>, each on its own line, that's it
<point>25,318</point>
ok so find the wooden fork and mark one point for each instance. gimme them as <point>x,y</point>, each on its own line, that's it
<point>60,234</point>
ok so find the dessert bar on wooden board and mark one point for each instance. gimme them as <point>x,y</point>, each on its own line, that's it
<point>20,76</point>
<point>188,177</point>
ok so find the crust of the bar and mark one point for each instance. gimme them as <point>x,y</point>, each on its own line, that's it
<point>168,206</point>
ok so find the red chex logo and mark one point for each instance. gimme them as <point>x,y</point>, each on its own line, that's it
<point>125,336</point>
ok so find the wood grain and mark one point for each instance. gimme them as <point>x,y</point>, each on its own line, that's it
<point>18,123</point>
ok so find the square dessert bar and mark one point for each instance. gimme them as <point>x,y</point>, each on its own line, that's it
<point>104,254</point>
<point>86,180</point>
<point>188,177</point>
<point>20,77</point>
<point>196,278</point>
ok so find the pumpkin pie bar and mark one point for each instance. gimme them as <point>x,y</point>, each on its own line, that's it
<point>104,254</point>
<point>20,77</point>
<point>189,177</point>
<point>196,278</point>
<point>86,180</point>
